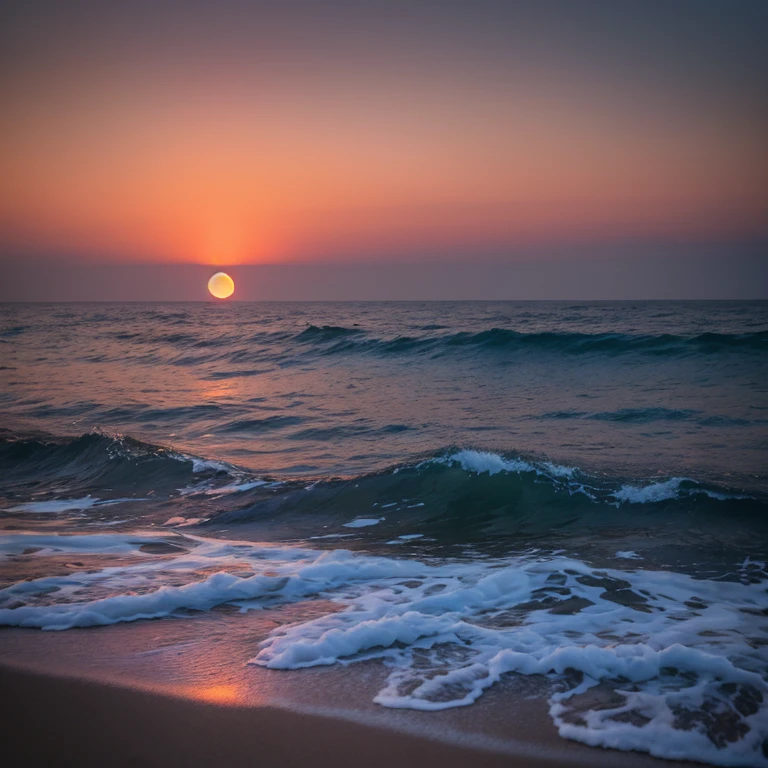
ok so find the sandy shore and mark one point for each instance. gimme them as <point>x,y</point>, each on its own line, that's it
<point>181,693</point>
<point>59,721</point>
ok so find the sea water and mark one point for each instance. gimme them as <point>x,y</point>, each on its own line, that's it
<point>480,490</point>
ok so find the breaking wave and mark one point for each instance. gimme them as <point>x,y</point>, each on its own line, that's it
<point>452,493</point>
<point>117,464</point>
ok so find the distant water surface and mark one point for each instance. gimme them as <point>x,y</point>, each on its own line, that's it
<point>325,388</point>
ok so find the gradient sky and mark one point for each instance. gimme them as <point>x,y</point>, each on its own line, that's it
<point>234,133</point>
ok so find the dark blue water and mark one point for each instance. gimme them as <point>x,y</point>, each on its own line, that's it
<point>546,465</point>
<point>633,389</point>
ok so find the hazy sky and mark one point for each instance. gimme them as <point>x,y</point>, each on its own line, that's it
<point>234,133</point>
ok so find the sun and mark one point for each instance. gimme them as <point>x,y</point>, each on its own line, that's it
<point>221,285</point>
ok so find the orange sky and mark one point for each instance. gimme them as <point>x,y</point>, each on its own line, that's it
<point>244,159</point>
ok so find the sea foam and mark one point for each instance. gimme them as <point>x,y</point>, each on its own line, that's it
<point>649,660</point>
<point>55,506</point>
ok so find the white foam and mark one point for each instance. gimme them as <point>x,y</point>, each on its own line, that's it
<point>671,648</point>
<point>239,486</point>
<point>655,492</point>
<point>407,537</point>
<point>97,543</point>
<point>363,522</point>
<point>234,488</point>
<point>455,650</point>
<point>628,554</point>
<point>482,462</point>
<point>567,478</point>
<point>669,489</point>
<point>55,505</point>
<point>485,462</point>
<point>557,470</point>
<point>204,465</point>
<point>279,574</point>
<point>208,465</point>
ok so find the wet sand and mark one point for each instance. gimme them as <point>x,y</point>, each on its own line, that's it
<point>56,721</point>
<point>180,693</point>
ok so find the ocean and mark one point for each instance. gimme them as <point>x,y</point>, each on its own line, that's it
<point>460,495</point>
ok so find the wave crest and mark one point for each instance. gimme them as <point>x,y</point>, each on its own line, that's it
<point>336,340</point>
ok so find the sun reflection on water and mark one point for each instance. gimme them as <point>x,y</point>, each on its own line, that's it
<point>223,694</point>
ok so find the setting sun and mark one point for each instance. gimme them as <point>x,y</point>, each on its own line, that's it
<point>221,285</point>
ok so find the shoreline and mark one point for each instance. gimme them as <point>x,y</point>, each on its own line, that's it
<point>61,720</point>
<point>180,692</point>
<point>71,717</point>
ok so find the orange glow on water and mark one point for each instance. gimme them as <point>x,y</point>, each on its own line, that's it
<point>224,694</point>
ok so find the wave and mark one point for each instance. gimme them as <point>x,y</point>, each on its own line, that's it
<point>574,480</point>
<point>326,332</point>
<point>117,465</point>
<point>460,496</point>
<point>649,415</point>
<point>502,339</point>
<point>451,495</point>
<point>286,347</point>
<point>626,653</point>
<point>14,330</point>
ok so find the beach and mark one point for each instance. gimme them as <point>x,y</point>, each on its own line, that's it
<point>63,721</point>
<point>78,701</point>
